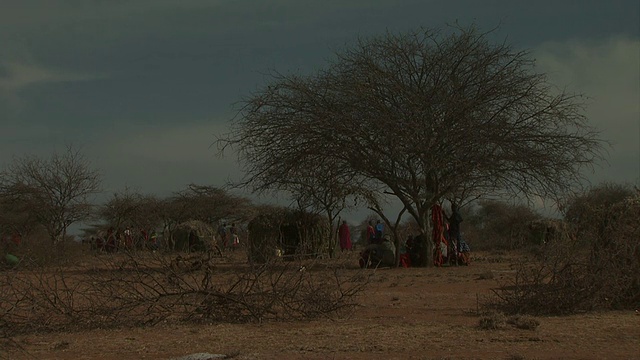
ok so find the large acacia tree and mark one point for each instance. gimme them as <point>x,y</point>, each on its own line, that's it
<point>421,115</point>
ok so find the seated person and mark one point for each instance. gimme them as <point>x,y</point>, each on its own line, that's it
<point>417,250</point>
<point>405,259</point>
<point>463,256</point>
<point>383,254</point>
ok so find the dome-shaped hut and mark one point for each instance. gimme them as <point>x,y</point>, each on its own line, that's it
<point>193,235</point>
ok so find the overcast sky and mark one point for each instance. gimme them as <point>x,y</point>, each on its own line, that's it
<point>143,86</point>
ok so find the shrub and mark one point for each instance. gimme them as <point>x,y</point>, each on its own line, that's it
<point>37,250</point>
<point>582,268</point>
<point>495,225</point>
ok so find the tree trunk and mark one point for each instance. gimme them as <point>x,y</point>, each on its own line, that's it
<point>333,240</point>
<point>426,228</point>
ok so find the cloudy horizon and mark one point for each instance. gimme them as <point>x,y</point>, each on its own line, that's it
<point>144,87</point>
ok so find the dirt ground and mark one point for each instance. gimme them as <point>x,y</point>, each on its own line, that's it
<point>412,313</point>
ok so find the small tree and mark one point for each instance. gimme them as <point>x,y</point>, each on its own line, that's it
<point>133,209</point>
<point>57,189</point>
<point>588,212</point>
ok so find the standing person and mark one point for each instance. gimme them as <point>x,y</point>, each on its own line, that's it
<point>235,240</point>
<point>193,240</point>
<point>128,238</point>
<point>454,227</point>
<point>379,231</point>
<point>153,241</point>
<point>110,240</point>
<point>345,236</point>
<point>371,233</point>
<point>222,232</point>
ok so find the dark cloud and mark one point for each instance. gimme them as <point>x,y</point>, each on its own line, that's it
<point>130,79</point>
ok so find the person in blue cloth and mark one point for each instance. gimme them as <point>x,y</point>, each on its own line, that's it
<point>379,231</point>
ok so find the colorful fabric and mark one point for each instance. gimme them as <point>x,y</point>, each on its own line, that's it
<point>371,234</point>
<point>345,237</point>
<point>439,239</point>
<point>405,260</point>
<point>464,247</point>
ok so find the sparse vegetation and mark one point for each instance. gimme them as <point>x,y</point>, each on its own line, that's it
<point>496,320</point>
<point>128,290</point>
<point>592,264</point>
<point>425,117</point>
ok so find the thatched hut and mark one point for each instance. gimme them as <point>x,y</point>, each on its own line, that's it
<point>284,232</point>
<point>193,235</point>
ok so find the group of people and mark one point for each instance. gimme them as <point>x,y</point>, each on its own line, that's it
<point>449,245</point>
<point>380,250</point>
<point>128,239</point>
<point>374,235</point>
<point>228,238</point>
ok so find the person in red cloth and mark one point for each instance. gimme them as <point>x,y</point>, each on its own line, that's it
<point>345,236</point>
<point>371,234</point>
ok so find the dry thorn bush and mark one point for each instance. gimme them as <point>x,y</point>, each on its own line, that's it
<point>524,322</point>
<point>495,320</point>
<point>137,290</point>
<point>591,266</point>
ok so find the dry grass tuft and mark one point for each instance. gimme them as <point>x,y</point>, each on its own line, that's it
<point>487,275</point>
<point>492,320</point>
<point>524,322</point>
<point>495,320</point>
